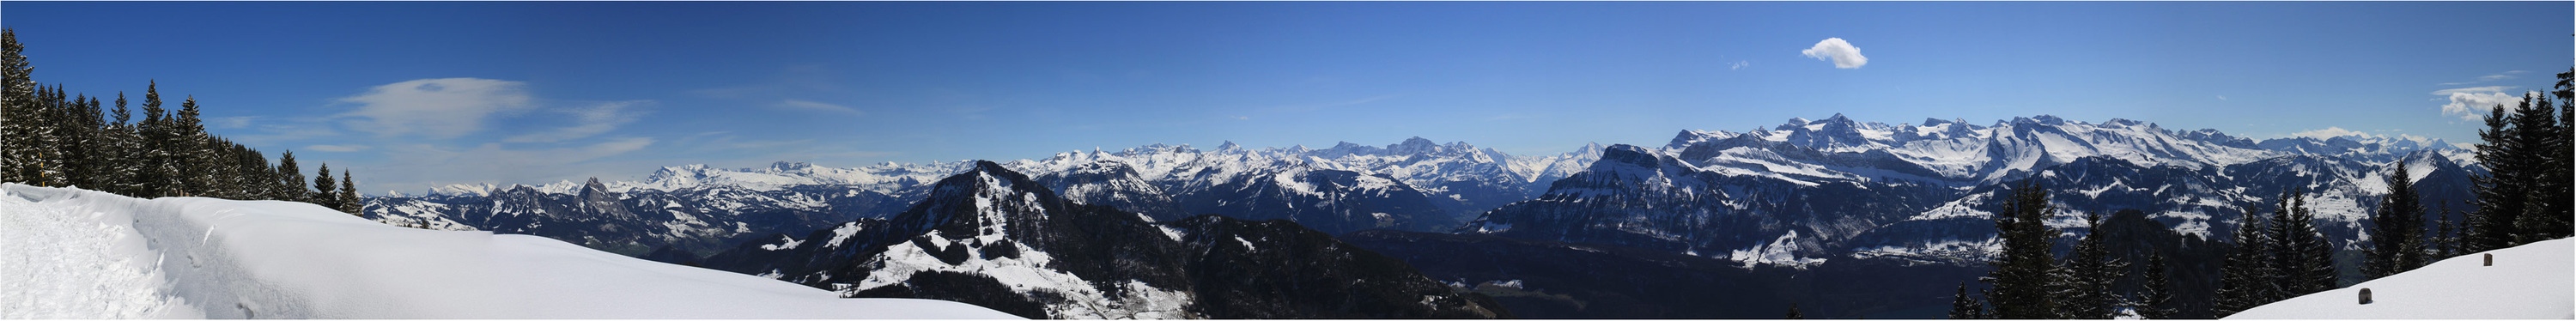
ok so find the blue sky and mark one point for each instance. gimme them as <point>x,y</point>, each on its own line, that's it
<point>410,94</point>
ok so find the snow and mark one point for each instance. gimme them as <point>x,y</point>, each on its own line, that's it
<point>1028,273</point>
<point>69,253</point>
<point>2532,281</point>
<point>1247,244</point>
<point>784,243</point>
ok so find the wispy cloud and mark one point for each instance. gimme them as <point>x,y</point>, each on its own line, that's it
<point>2471,103</point>
<point>588,121</point>
<point>1738,65</point>
<point>435,108</point>
<point>337,148</point>
<point>2494,77</point>
<point>1842,53</point>
<point>799,104</point>
<point>231,122</point>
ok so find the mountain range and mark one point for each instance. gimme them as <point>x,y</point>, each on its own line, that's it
<point>1833,196</point>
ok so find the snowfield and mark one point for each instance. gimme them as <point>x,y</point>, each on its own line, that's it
<point>76,254</point>
<point>2532,281</point>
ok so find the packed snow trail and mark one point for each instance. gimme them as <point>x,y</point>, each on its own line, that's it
<point>2533,281</point>
<point>69,253</point>
<point>61,264</point>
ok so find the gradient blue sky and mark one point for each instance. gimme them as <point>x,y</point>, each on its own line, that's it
<point>416,93</point>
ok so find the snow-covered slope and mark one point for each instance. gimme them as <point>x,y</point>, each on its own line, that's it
<point>2532,281</point>
<point>68,253</point>
<point>1838,187</point>
<point>1001,239</point>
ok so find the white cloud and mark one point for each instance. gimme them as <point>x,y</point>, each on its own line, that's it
<point>2471,103</point>
<point>2487,78</point>
<point>337,148</point>
<point>1739,64</point>
<point>435,108</point>
<point>2222,97</point>
<point>1840,52</point>
<point>587,121</point>
<point>2330,132</point>
<point>798,104</point>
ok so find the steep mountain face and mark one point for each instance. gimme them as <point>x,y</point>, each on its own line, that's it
<point>1650,199</point>
<point>1809,191</point>
<point>996,238</point>
<point>1333,201</point>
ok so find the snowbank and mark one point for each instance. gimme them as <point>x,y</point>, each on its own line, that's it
<point>2532,281</point>
<point>68,253</point>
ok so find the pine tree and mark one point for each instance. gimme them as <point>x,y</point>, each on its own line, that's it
<point>2093,270</point>
<point>2536,133</point>
<point>349,200</point>
<point>2500,191</point>
<point>156,177</point>
<point>121,148</point>
<point>2304,258</point>
<point>2157,299</point>
<point>2397,227</point>
<point>1793,313</point>
<point>2025,275</point>
<point>1962,307</point>
<point>290,180</point>
<point>17,100</point>
<point>2445,242</point>
<point>2245,278</point>
<point>325,192</point>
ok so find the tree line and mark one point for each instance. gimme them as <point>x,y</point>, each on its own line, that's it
<point>51,138</point>
<point>2523,197</point>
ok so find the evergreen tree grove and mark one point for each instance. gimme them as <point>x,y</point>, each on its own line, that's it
<point>52,137</point>
<point>2245,277</point>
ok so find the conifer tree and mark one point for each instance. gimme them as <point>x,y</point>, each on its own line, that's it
<point>17,100</point>
<point>1793,313</point>
<point>290,179</point>
<point>2445,242</point>
<point>325,192</point>
<point>1962,307</point>
<point>2245,277</point>
<point>2025,275</point>
<point>2304,258</point>
<point>2093,271</point>
<point>2397,227</point>
<point>2500,191</point>
<point>2156,300</point>
<point>2536,133</point>
<point>349,200</point>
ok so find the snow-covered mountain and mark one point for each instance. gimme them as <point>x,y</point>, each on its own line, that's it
<point>997,238</point>
<point>74,254</point>
<point>1807,190</point>
<point>2527,282</point>
<point>682,212</point>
